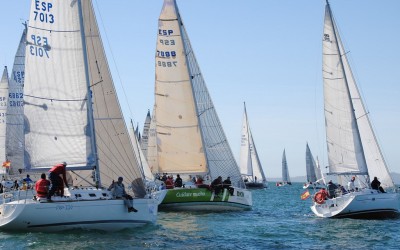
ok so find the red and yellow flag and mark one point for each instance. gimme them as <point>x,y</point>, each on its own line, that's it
<point>305,195</point>
<point>7,164</point>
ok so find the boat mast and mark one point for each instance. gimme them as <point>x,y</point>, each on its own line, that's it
<point>358,137</point>
<point>89,95</point>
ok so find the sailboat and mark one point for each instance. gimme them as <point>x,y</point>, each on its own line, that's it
<point>3,119</point>
<point>285,172</point>
<point>15,111</point>
<point>314,174</point>
<point>188,138</point>
<point>72,114</point>
<point>352,146</point>
<point>250,165</point>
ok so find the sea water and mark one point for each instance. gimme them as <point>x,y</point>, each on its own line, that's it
<point>279,220</point>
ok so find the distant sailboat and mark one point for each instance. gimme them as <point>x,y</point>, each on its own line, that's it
<point>352,146</point>
<point>314,175</point>
<point>3,119</point>
<point>145,134</point>
<point>250,165</point>
<point>285,172</point>
<point>188,138</point>
<point>72,114</point>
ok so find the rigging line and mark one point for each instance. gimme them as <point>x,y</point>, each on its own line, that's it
<point>54,99</point>
<point>113,58</point>
<point>121,143</point>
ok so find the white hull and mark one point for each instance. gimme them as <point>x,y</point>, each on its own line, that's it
<point>203,200</point>
<point>76,212</point>
<point>366,203</point>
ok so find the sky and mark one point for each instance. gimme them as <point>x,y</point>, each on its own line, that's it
<point>267,53</point>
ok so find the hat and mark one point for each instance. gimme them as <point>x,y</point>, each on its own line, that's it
<point>64,163</point>
<point>120,178</point>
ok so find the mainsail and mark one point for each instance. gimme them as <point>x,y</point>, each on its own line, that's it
<point>79,119</point>
<point>285,170</point>
<point>190,138</point>
<point>250,165</point>
<point>15,112</point>
<point>3,114</point>
<point>352,145</point>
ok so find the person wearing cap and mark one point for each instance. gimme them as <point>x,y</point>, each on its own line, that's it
<point>350,185</point>
<point>375,184</point>
<point>120,193</point>
<point>56,180</point>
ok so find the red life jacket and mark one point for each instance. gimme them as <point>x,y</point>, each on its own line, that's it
<point>41,188</point>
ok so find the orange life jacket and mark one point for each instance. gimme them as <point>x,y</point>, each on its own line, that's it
<point>41,187</point>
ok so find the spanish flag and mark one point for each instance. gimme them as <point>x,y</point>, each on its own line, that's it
<point>305,195</point>
<point>7,164</point>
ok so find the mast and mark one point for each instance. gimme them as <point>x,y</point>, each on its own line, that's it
<point>353,117</point>
<point>89,95</point>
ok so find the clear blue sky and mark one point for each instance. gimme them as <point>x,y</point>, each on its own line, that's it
<point>264,52</point>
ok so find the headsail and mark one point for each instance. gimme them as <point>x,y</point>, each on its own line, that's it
<point>190,138</point>
<point>115,150</point>
<point>15,112</point>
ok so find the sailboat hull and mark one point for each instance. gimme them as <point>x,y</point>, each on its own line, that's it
<point>98,214</point>
<point>366,204</point>
<point>254,185</point>
<point>202,199</point>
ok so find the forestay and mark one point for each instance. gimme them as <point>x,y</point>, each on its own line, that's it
<point>3,114</point>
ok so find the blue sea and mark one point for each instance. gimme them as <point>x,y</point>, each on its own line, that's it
<point>279,220</point>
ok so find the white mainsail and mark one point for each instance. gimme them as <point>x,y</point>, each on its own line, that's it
<point>250,165</point>
<point>68,51</point>
<point>15,112</point>
<point>190,138</point>
<point>352,145</point>
<point>55,90</point>
<point>285,170</point>
<point>3,114</point>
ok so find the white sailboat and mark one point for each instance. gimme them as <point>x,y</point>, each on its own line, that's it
<point>15,136</point>
<point>285,172</point>
<point>3,118</point>
<point>314,174</point>
<point>250,165</point>
<point>188,138</point>
<point>72,114</point>
<point>352,146</point>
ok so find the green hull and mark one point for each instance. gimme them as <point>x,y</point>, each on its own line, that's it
<point>202,199</point>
